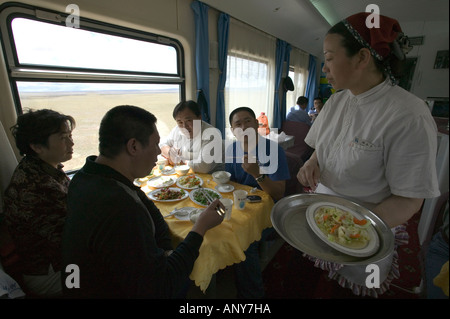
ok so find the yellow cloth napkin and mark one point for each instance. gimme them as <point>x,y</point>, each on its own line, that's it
<point>225,244</point>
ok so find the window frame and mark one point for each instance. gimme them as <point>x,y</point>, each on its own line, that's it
<point>35,73</point>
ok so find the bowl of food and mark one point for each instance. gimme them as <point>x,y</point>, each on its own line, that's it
<point>182,170</point>
<point>221,177</point>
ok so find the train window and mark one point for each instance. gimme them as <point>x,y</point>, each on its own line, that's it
<point>250,69</point>
<point>247,84</point>
<point>86,70</point>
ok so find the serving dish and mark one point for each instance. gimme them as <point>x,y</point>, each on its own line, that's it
<point>288,217</point>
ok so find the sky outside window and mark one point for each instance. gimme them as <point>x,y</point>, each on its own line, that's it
<point>40,43</point>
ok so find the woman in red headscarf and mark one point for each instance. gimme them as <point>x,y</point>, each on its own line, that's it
<point>374,142</point>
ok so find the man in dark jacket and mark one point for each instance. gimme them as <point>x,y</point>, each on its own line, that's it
<point>116,243</point>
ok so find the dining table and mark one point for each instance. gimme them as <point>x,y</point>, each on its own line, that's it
<point>225,244</point>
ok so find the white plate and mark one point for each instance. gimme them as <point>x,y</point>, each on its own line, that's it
<point>369,250</point>
<point>161,181</point>
<point>140,181</point>
<point>151,195</point>
<point>224,188</point>
<point>184,213</point>
<point>192,194</point>
<point>185,187</point>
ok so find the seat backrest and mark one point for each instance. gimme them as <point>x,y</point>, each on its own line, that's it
<point>436,220</point>
<point>293,186</point>
<point>435,223</point>
<point>299,130</point>
<point>8,162</point>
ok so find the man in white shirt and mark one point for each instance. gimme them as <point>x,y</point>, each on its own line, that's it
<point>193,141</point>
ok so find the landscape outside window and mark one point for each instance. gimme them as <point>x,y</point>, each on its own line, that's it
<point>49,50</point>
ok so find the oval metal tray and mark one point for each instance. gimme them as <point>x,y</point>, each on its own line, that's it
<point>289,220</point>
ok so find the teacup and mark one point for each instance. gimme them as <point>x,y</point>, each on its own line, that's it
<point>228,203</point>
<point>240,198</point>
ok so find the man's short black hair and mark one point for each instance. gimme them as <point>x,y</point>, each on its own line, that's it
<point>191,105</point>
<point>122,123</point>
<point>302,100</point>
<point>239,109</point>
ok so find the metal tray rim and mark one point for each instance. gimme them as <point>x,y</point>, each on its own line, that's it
<point>307,241</point>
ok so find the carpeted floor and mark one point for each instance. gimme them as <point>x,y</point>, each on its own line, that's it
<point>291,276</point>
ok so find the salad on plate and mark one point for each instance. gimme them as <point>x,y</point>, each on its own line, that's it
<point>199,198</point>
<point>341,227</point>
<point>189,181</point>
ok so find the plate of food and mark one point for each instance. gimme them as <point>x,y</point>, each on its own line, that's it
<point>197,196</point>
<point>168,194</point>
<point>161,181</point>
<point>343,229</point>
<point>189,181</point>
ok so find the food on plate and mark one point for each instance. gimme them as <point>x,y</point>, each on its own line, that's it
<point>342,227</point>
<point>161,182</point>
<point>189,181</point>
<point>168,194</point>
<point>199,197</point>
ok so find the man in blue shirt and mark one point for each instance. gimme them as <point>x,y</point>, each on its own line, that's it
<point>258,162</point>
<point>298,113</point>
<point>254,160</point>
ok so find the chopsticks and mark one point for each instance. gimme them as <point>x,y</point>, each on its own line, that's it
<point>219,209</point>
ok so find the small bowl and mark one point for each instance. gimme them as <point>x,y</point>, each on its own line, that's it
<point>182,169</point>
<point>221,177</point>
<point>193,215</point>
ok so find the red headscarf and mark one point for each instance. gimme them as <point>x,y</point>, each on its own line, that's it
<point>375,39</point>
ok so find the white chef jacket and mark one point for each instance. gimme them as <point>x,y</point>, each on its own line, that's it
<point>196,151</point>
<point>378,143</point>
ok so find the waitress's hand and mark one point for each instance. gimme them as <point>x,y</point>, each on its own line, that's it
<point>309,173</point>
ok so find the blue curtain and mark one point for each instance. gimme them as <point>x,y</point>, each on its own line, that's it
<point>282,52</point>
<point>311,85</point>
<point>283,98</point>
<point>223,27</point>
<point>202,57</point>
